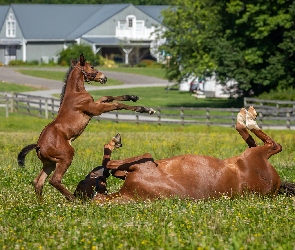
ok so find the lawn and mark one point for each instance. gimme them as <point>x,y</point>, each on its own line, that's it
<point>249,222</point>
<point>159,97</point>
<point>11,87</point>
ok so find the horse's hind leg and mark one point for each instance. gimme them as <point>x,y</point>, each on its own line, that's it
<point>254,128</point>
<point>133,98</point>
<point>40,179</point>
<point>62,166</point>
<point>242,129</point>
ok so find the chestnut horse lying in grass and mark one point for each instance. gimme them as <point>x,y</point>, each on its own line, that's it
<point>191,176</point>
<point>76,109</point>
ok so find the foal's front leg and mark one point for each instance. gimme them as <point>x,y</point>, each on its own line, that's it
<point>107,107</point>
<point>133,98</point>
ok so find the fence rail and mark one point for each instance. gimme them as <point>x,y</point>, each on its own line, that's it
<point>271,113</point>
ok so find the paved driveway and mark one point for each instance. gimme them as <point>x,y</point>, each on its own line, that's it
<point>10,74</point>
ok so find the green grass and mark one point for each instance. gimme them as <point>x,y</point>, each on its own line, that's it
<point>249,222</point>
<point>159,97</point>
<point>11,87</point>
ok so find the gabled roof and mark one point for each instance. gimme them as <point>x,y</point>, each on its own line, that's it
<point>47,21</point>
<point>103,13</point>
<point>153,11</point>
<point>3,13</point>
<point>67,21</point>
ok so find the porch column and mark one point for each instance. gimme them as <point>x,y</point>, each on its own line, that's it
<point>127,52</point>
<point>95,50</point>
<point>24,45</point>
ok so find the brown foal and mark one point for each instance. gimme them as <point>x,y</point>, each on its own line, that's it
<point>77,108</point>
<point>195,176</point>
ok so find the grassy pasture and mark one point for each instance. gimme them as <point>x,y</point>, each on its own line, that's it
<point>249,222</point>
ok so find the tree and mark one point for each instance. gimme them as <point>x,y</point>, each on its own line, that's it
<point>251,42</point>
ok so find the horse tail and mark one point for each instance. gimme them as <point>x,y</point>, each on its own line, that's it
<point>287,188</point>
<point>22,154</point>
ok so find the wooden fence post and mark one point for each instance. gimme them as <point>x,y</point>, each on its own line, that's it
<point>159,116</point>
<point>208,116</point>
<point>288,120</point>
<point>46,108</point>
<point>12,102</point>
<point>7,106</point>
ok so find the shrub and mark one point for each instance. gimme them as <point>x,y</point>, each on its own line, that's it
<point>279,94</point>
<point>73,52</point>
<point>16,62</point>
<point>107,63</point>
<point>33,62</point>
<point>149,64</point>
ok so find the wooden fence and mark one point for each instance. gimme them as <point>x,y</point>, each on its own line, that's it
<point>271,114</point>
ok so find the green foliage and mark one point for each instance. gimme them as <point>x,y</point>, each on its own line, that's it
<point>252,43</point>
<point>279,94</point>
<point>16,62</point>
<point>73,52</point>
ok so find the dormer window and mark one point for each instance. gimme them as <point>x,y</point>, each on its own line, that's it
<point>130,21</point>
<point>10,26</point>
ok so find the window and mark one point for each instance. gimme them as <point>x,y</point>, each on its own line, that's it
<point>122,25</point>
<point>10,26</point>
<point>130,22</point>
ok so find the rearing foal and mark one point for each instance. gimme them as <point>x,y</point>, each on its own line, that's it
<point>77,108</point>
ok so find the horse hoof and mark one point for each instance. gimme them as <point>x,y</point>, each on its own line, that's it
<point>151,111</point>
<point>241,118</point>
<point>134,98</point>
<point>117,140</point>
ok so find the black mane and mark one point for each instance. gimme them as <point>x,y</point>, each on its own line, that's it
<point>65,84</point>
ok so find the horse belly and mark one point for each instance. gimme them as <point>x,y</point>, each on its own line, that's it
<point>188,176</point>
<point>202,177</point>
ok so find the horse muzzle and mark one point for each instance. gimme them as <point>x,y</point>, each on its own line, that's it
<point>102,80</point>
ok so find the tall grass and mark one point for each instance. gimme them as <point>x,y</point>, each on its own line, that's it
<point>249,222</point>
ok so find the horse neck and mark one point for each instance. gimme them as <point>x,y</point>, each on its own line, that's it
<point>75,82</point>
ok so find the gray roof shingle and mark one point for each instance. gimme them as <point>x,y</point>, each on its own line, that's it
<point>153,11</point>
<point>3,13</point>
<point>102,14</point>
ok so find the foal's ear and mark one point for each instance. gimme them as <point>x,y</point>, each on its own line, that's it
<point>82,60</point>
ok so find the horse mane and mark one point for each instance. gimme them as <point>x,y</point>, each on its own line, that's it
<point>62,94</point>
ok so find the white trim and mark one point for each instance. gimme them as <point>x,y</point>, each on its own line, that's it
<point>10,26</point>
<point>24,43</point>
